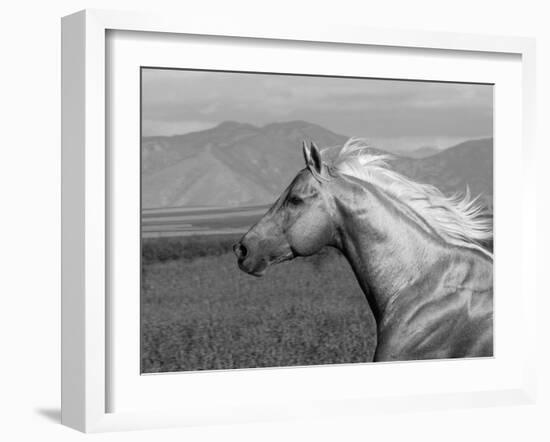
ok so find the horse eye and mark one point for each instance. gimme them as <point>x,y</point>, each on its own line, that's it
<point>295,200</point>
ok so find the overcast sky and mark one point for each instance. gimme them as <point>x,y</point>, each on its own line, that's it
<point>412,114</point>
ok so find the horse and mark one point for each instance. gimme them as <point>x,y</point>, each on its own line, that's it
<point>417,254</point>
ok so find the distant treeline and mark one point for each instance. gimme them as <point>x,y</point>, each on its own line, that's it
<point>186,247</point>
<point>191,247</point>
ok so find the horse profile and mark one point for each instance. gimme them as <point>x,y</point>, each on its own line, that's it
<point>416,253</point>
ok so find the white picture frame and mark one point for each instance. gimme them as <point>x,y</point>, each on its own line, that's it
<point>86,206</point>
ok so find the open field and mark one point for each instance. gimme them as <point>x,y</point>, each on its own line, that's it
<point>200,312</point>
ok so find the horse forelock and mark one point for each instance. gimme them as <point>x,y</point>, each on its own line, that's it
<point>458,218</point>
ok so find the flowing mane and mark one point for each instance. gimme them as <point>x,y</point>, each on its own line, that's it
<point>458,219</point>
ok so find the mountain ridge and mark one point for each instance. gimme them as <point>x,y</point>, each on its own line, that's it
<point>236,164</point>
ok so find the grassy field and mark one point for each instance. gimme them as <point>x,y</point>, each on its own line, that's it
<point>200,312</point>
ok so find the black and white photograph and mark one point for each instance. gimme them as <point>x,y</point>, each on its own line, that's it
<point>275,222</point>
<point>299,220</point>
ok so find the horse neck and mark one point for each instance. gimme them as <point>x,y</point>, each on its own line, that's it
<point>383,242</point>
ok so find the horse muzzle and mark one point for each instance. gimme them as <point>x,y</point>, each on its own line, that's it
<point>246,261</point>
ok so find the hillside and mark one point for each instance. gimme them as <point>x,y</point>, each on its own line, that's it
<point>235,164</point>
<point>468,164</point>
<point>231,164</point>
<point>421,152</point>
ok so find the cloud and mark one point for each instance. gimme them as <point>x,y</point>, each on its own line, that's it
<point>177,99</point>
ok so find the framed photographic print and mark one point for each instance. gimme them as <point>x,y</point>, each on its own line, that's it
<point>263,223</point>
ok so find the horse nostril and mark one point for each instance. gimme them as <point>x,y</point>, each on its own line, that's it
<point>240,250</point>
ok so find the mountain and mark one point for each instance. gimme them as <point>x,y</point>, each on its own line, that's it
<point>421,152</point>
<point>466,165</point>
<point>230,164</point>
<point>237,164</point>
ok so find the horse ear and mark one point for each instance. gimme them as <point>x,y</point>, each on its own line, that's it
<point>306,152</point>
<point>316,161</point>
<point>312,155</point>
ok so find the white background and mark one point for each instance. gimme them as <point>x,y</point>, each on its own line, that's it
<point>30,177</point>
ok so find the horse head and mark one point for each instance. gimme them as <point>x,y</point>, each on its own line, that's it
<point>298,224</point>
